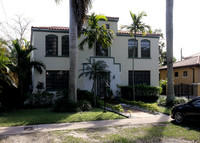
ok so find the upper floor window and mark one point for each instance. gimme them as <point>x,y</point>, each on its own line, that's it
<point>176,74</point>
<point>185,74</point>
<point>145,49</point>
<point>52,45</point>
<point>132,48</point>
<point>100,51</point>
<point>65,45</point>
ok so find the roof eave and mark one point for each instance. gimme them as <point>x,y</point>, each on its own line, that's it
<point>138,35</point>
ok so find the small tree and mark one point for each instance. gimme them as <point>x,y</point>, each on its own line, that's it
<point>96,34</point>
<point>136,27</point>
<point>94,71</point>
<point>23,64</point>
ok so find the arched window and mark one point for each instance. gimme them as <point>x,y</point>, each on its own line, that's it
<point>145,49</point>
<point>65,45</point>
<point>52,45</point>
<point>132,48</point>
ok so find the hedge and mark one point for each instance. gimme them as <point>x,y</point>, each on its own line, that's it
<point>143,93</point>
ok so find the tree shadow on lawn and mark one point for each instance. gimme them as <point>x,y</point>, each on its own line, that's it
<point>189,125</point>
<point>160,131</point>
<point>157,132</point>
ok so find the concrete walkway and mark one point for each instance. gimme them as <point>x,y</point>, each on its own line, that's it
<point>137,118</point>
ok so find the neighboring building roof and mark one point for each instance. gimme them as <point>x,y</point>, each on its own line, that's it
<point>188,62</point>
<point>198,54</point>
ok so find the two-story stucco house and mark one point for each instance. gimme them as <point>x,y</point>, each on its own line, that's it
<point>53,50</point>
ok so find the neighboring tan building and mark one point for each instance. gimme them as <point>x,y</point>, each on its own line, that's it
<point>186,71</point>
<point>53,50</point>
<point>186,75</point>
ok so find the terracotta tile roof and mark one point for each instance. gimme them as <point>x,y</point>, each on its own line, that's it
<point>198,54</point>
<point>60,28</point>
<point>193,61</point>
<point>139,33</point>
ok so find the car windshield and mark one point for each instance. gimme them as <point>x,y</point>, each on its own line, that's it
<point>193,100</point>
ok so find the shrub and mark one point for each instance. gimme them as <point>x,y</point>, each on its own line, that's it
<point>118,108</point>
<point>178,100</point>
<point>63,105</point>
<point>149,107</point>
<point>44,99</point>
<point>84,105</point>
<point>84,95</point>
<point>162,101</point>
<point>163,84</point>
<point>143,93</point>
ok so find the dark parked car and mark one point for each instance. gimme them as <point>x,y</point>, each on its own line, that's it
<point>190,110</point>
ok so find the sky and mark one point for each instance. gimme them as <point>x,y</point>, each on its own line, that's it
<point>47,13</point>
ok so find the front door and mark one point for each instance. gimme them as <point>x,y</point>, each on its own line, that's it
<point>101,86</point>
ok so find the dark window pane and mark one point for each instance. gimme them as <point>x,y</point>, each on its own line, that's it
<point>185,73</point>
<point>140,77</point>
<point>57,80</point>
<point>107,26</point>
<point>51,45</point>
<point>100,51</point>
<point>132,44</point>
<point>65,45</point>
<point>176,74</point>
<point>145,49</point>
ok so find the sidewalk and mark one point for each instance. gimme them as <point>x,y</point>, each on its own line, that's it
<point>137,118</point>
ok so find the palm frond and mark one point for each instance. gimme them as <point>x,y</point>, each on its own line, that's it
<point>38,66</point>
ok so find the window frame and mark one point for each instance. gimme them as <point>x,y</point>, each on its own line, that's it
<point>103,49</point>
<point>130,54</point>
<point>63,44</point>
<point>142,47</point>
<point>47,44</point>
<point>176,76</point>
<point>142,76</point>
<point>60,81</point>
<point>185,75</point>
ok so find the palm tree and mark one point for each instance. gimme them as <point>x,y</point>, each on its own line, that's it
<point>96,34</point>
<point>6,76</point>
<point>78,11</point>
<point>169,39</point>
<point>136,27</point>
<point>94,71</point>
<point>22,65</point>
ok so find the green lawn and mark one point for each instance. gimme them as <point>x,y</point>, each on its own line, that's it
<point>46,116</point>
<point>161,132</point>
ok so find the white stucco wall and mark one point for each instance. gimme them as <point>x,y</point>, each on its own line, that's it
<point>118,54</point>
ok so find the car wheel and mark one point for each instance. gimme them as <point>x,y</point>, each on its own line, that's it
<point>179,117</point>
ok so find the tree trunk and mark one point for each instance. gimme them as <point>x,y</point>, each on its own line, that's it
<point>73,47</point>
<point>133,68</point>
<point>169,38</point>
<point>95,91</point>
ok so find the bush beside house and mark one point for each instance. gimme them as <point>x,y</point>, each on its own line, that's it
<point>143,93</point>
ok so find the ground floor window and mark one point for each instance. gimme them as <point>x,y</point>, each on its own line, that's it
<point>140,77</point>
<point>56,80</point>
